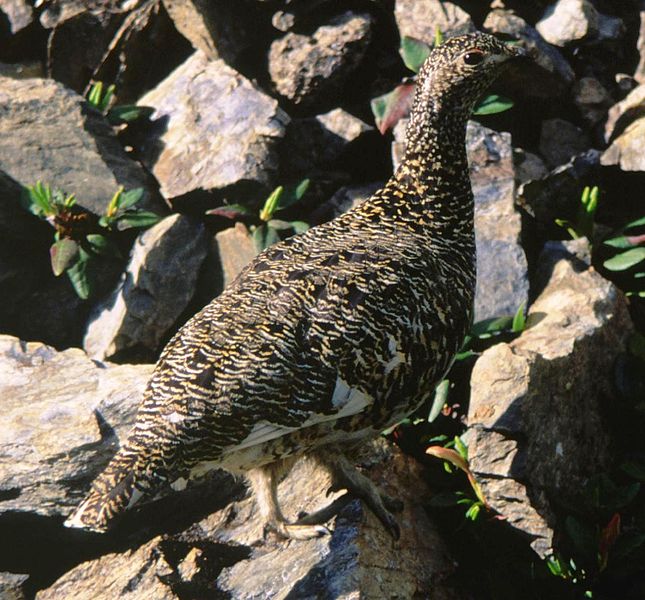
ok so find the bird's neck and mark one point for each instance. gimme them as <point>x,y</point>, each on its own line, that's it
<point>433,174</point>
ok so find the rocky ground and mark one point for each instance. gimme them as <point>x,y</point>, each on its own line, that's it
<point>232,124</point>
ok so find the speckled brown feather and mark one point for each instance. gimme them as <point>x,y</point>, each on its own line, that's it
<point>330,336</point>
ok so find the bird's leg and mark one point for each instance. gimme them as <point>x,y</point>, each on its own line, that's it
<point>346,476</point>
<point>264,481</point>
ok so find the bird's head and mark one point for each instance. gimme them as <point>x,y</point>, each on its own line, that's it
<point>458,71</point>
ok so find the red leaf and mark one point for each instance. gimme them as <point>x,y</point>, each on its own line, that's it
<point>608,538</point>
<point>397,106</point>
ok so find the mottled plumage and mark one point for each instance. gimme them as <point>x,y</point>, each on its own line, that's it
<point>329,337</point>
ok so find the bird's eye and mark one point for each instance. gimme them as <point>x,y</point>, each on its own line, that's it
<point>473,58</point>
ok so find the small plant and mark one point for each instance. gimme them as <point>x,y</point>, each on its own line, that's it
<point>455,454</point>
<point>583,226</point>
<point>101,99</point>
<point>79,236</point>
<point>267,230</point>
<point>390,108</point>
<point>631,253</point>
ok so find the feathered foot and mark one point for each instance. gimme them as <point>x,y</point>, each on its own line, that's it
<point>264,481</point>
<point>346,476</point>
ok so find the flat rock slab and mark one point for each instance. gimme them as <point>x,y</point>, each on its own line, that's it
<point>225,553</point>
<point>62,413</point>
<point>421,18</point>
<point>310,70</point>
<point>156,287</point>
<point>502,276</point>
<point>213,131</point>
<point>526,441</point>
<point>624,130</point>
<point>49,134</point>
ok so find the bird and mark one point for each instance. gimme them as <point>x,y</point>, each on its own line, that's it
<point>326,338</point>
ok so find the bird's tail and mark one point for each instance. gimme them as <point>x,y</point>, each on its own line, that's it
<point>112,493</point>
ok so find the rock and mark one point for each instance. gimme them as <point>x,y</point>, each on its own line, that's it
<point>560,140</point>
<point>25,70</point>
<point>317,142</point>
<point>628,149</point>
<point>502,277</point>
<point>156,287</point>
<point>592,99</point>
<point>420,19</point>
<point>283,21</point>
<point>624,129</point>
<point>311,70</point>
<point>226,149</point>
<point>639,74</point>
<point>218,28</point>
<point>18,14</point>
<point>49,134</point>
<point>225,555</point>
<point>548,74</point>
<point>557,195</point>
<point>528,166</point>
<point>235,249</point>
<point>131,59</point>
<point>569,22</point>
<point>11,586</point>
<point>344,199</point>
<point>62,412</point>
<point>536,428</point>
<point>78,42</point>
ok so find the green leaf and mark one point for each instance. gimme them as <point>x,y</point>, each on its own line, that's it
<point>129,199</point>
<point>440,399</point>
<point>618,242</point>
<point>137,218</point>
<point>292,194</point>
<point>279,225</point>
<point>519,320</point>
<point>489,327</point>
<point>493,104</point>
<point>625,260</point>
<point>41,198</point>
<point>264,236</point>
<point>473,512</point>
<point>461,448</point>
<point>271,203</point>
<point>414,53</point>
<point>637,223</point>
<point>94,96</point>
<point>126,113</point>
<point>105,101</point>
<point>438,36</point>
<point>299,226</point>
<point>62,254</point>
<point>102,245</point>
<point>78,274</point>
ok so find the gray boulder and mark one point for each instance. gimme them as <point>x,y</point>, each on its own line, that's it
<point>218,28</point>
<point>561,140</point>
<point>311,70</point>
<point>420,19</point>
<point>536,430</point>
<point>557,195</point>
<point>502,277</point>
<point>317,142</point>
<point>62,413</point>
<point>214,133</point>
<point>625,130</point>
<point>49,134</point>
<point>570,22</point>
<point>156,287</point>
